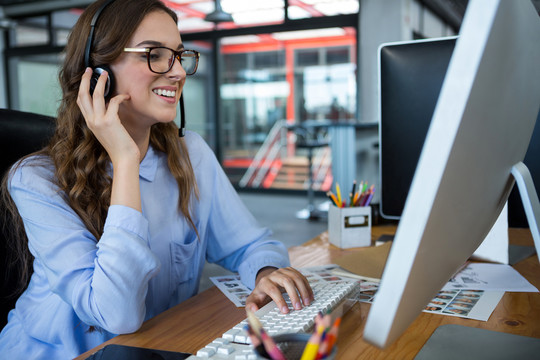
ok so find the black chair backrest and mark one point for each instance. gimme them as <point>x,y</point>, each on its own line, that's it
<point>21,133</point>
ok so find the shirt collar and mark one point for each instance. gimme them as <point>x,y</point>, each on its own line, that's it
<point>148,167</point>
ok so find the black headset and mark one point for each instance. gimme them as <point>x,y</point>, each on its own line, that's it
<point>98,70</point>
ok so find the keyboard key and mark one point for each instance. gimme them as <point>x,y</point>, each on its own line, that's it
<point>206,352</point>
<point>225,350</point>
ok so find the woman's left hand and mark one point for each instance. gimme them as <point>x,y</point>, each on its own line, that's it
<point>271,282</point>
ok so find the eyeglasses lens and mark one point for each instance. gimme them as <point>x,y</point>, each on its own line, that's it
<point>189,62</point>
<point>161,60</point>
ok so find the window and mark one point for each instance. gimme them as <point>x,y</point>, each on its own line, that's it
<point>275,79</point>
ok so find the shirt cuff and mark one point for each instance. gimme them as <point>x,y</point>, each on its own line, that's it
<point>127,218</point>
<point>248,269</point>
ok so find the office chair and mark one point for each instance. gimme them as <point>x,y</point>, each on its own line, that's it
<point>21,133</point>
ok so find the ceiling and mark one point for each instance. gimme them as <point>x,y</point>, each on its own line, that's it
<point>450,10</point>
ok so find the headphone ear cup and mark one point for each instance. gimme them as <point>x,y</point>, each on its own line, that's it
<point>109,85</point>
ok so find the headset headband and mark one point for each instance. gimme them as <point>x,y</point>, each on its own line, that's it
<point>88,48</point>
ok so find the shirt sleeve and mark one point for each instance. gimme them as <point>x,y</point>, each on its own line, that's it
<point>235,240</point>
<point>105,282</point>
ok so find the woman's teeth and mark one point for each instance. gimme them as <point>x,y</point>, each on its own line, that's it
<point>167,93</point>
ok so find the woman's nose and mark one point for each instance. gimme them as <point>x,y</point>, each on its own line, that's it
<point>177,71</point>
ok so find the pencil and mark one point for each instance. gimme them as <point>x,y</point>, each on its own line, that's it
<point>355,198</point>
<point>254,322</point>
<point>312,346</point>
<point>368,199</point>
<point>353,191</point>
<point>365,187</point>
<point>369,196</point>
<point>255,340</point>
<point>270,346</point>
<point>332,197</point>
<point>338,194</point>
<point>360,199</point>
<point>333,334</point>
<point>330,339</point>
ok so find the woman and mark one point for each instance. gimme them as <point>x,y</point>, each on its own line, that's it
<point>120,214</point>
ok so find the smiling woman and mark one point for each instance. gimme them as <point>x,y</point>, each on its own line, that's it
<point>117,212</point>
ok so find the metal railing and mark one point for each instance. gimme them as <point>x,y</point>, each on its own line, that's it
<point>265,158</point>
<point>269,158</point>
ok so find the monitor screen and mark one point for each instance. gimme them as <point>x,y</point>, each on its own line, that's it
<point>411,74</point>
<point>410,79</point>
<point>481,127</point>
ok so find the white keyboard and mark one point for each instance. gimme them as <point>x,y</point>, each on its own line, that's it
<point>330,296</point>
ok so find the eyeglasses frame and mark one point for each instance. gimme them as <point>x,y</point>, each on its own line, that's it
<point>177,55</point>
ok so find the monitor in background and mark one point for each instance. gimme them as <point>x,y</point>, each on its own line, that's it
<point>410,78</point>
<point>481,127</point>
<point>411,74</point>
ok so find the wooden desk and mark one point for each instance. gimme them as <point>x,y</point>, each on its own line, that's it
<point>196,322</point>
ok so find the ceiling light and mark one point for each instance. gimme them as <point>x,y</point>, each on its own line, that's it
<point>218,15</point>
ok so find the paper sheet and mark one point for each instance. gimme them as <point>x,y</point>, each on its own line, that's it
<point>490,277</point>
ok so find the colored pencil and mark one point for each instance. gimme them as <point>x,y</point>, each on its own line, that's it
<point>254,322</point>
<point>338,194</point>
<point>255,340</point>
<point>332,197</point>
<point>312,346</point>
<point>270,346</point>
<point>330,340</point>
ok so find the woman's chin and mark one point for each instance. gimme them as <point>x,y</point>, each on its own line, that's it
<point>167,117</point>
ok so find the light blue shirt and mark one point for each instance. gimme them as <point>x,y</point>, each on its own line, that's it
<point>142,265</point>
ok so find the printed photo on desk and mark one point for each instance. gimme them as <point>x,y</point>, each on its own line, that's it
<point>471,304</point>
<point>233,288</point>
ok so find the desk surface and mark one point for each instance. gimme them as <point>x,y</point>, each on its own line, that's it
<point>196,322</point>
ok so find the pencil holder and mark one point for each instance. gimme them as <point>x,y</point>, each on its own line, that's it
<point>349,227</point>
<point>292,346</point>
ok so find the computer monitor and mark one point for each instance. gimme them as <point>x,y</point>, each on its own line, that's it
<point>481,127</point>
<point>411,74</point>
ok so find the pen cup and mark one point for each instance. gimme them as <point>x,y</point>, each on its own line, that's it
<point>349,227</point>
<point>292,346</point>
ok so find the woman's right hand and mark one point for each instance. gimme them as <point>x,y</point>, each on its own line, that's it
<point>103,120</point>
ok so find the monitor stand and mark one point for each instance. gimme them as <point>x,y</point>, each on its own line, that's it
<point>531,206</point>
<point>529,198</point>
<point>463,342</point>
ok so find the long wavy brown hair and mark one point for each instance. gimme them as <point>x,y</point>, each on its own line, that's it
<point>80,161</point>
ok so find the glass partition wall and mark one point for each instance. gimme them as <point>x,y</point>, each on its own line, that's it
<point>272,82</point>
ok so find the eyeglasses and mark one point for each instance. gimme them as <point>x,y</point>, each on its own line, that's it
<point>161,59</point>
